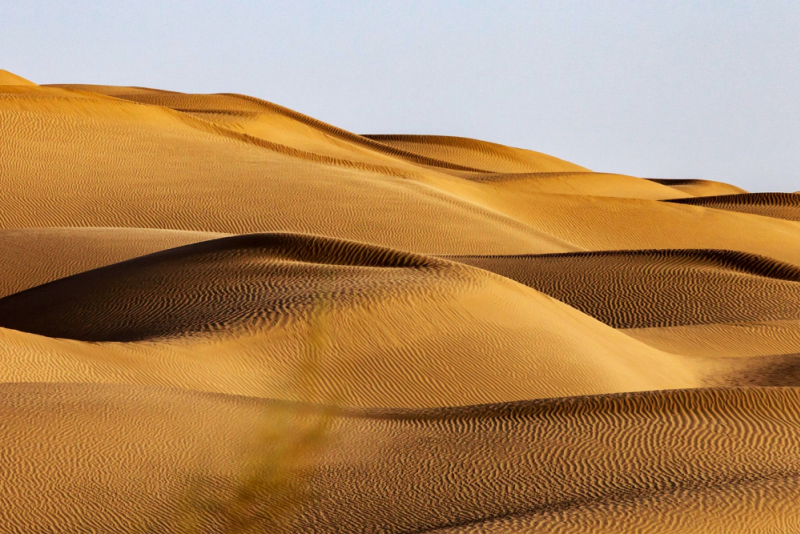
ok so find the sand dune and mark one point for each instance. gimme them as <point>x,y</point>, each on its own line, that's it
<point>700,188</point>
<point>577,183</point>
<point>658,288</point>
<point>210,179</point>
<point>778,205</point>
<point>477,155</point>
<point>359,324</point>
<point>270,122</point>
<point>761,338</point>
<point>737,312</point>
<point>680,461</point>
<point>218,314</point>
<point>398,207</point>
<point>605,223</point>
<point>34,256</point>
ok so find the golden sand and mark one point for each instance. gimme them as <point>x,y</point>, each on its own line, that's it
<point>220,315</point>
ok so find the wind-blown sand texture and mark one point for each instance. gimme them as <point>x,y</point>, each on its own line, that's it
<point>220,315</point>
<point>779,205</point>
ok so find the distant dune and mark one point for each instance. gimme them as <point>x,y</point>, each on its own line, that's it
<point>699,188</point>
<point>221,315</point>
<point>658,288</point>
<point>778,205</point>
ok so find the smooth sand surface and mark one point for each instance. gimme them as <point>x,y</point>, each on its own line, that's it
<point>758,338</point>
<point>221,315</point>
<point>8,78</point>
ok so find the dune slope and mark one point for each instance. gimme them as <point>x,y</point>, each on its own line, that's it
<point>732,340</point>
<point>208,178</point>
<point>699,188</point>
<point>34,256</point>
<point>8,78</point>
<point>680,461</point>
<point>778,205</point>
<point>354,323</point>
<point>657,288</point>
<point>478,155</point>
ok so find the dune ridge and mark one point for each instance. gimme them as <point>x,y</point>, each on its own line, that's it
<point>489,157</point>
<point>35,256</point>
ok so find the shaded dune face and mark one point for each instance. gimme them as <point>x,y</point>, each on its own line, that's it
<point>777,205</point>
<point>659,288</point>
<point>218,284</point>
<point>686,461</point>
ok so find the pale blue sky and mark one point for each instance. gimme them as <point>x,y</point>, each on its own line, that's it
<point>650,88</point>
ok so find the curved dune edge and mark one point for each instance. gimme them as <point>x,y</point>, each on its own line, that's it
<point>777,205</point>
<point>481,155</point>
<point>266,120</point>
<point>35,256</point>
<point>309,318</point>
<point>607,223</point>
<point>158,462</point>
<point>576,183</point>
<point>659,288</point>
